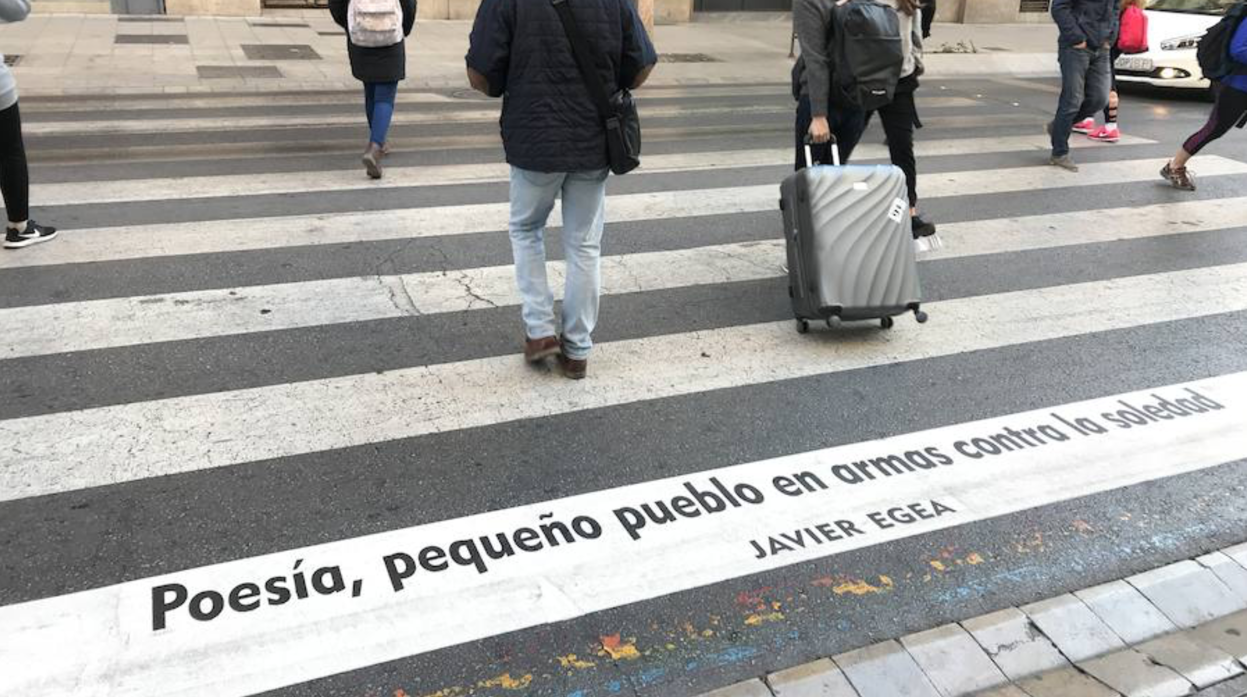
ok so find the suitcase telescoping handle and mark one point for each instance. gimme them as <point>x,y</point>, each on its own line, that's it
<point>835,151</point>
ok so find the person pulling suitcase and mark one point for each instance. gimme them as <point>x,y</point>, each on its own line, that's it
<point>817,117</point>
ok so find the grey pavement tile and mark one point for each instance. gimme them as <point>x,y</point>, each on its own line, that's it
<point>1016,646</point>
<point>1201,663</point>
<point>885,670</point>
<point>1229,571</point>
<point>1065,682</point>
<point>1233,688</point>
<point>819,678</point>
<point>1238,553</point>
<point>1124,609</point>
<point>285,52</point>
<point>1003,691</point>
<point>1135,675</point>
<point>953,661</point>
<point>237,71</point>
<point>279,25</point>
<point>1228,634</point>
<point>1187,593</point>
<point>1073,627</point>
<point>156,39</point>
<point>749,688</point>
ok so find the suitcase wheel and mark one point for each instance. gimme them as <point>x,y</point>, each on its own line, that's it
<point>886,322</point>
<point>803,326</point>
<point>920,316</point>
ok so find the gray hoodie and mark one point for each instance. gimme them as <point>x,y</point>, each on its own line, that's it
<point>812,20</point>
<point>10,11</point>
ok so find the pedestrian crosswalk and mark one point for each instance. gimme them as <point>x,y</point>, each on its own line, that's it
<point>211,377</point>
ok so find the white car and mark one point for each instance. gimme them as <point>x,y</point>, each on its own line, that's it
<point>1174,28</point>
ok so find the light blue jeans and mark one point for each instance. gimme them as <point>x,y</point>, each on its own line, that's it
<point>584,205</point>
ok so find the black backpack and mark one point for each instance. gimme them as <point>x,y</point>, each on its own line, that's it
<point>867,54</point>
<point>1213,52</point>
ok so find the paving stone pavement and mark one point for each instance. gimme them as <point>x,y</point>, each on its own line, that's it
<point>303,50</point>
<point>1173,631</point>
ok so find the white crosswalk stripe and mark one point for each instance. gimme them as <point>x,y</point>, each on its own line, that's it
<point>129,294</point>
<point>293,231</point>
<point>307,182</point>
<point>96,324</point>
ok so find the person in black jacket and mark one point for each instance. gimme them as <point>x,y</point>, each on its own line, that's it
<point>555,142</point>
<point>380,69</point>
<point>1088,30</point>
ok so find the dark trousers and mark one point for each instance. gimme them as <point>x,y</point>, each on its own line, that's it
<point>846,126</point>
<point>898,120</point>
<point>928,16</point>
<point>14,177</point>
<point>1085,82</point>
<point>1230,110</point>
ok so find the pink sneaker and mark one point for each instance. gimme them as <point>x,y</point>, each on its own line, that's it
<point>1104,134</point>
<point>1085,127</point>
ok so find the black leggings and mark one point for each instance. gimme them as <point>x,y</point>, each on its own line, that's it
<point>1110,111</point>
<point>14,177</point>
<point>1230,110</point>
<point>899,118</point>
<point>928,16</point>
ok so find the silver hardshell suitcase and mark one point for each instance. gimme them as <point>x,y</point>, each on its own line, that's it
<point>850,246</point>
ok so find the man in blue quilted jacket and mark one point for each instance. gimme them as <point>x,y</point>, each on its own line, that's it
<point>555,143</point>
<point>1088,30</point>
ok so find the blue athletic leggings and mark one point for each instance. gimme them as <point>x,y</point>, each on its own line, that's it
<point>379,105</point>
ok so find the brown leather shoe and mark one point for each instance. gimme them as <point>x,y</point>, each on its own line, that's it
<point>574,368</point>
<point>537,350</point>
<point>372,161</point>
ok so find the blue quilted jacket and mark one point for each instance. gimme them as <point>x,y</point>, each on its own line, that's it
<point>549,123</point>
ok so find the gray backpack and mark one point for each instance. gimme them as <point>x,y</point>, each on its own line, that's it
<point>375,23</point>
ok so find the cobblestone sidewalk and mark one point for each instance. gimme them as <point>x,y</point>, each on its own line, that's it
<point>303,50</point>
<point>1174,631</point>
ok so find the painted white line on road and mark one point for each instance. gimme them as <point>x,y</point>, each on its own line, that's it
<point>208,237</point>
<point>231,101</point>
<point>228,185</point>
<point>242,627</point>
<point>108,445</point>
<point>109,323</point>
<point>165,126</point>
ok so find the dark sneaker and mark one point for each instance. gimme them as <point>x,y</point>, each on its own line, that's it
<point>372,161</point>
<point>34,234</point>
<point>537,350</point>
<point>921,227</point>
<point>574,368</point>
<point>1064,162</point>
<point>1179,177</point>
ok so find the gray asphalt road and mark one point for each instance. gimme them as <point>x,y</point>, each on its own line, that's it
<point>124,255</point>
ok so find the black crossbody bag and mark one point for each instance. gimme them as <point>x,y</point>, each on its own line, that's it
<point>618,112</point>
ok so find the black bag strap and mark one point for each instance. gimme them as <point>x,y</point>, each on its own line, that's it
<point>584,60</point>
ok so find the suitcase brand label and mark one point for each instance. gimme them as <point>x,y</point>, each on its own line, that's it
<point>898,210</point>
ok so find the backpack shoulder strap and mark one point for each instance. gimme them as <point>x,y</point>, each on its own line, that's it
<point>584,58</point>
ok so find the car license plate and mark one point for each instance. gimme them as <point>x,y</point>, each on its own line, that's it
<point>1142,65</point>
